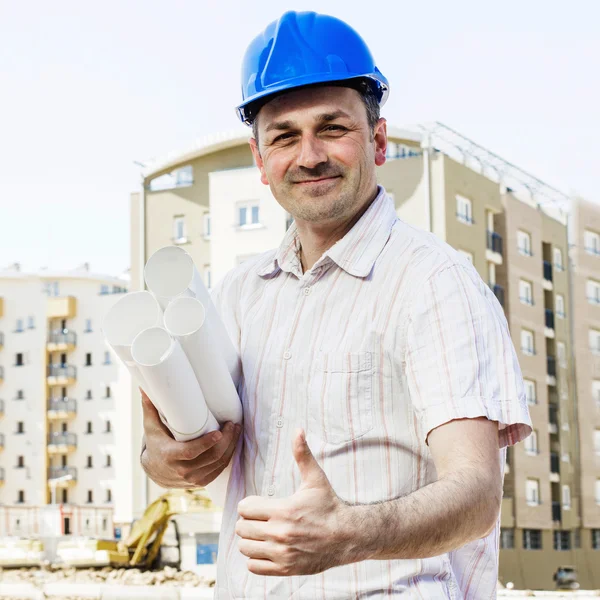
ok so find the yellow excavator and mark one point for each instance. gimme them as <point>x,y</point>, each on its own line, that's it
<point>142,547</point>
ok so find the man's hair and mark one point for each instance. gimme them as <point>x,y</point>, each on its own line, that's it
<point>360,85</point>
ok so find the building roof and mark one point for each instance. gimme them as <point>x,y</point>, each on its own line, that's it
<point>82,272</point>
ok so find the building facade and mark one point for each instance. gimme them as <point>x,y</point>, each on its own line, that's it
<point>65,404</point>
<point>519,237</point>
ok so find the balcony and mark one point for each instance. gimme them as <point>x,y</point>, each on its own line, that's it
<point>63,307</point>
<point>2,476</point>
<point>61,443</point>
<point>547,283</point>
<point>554,463</point>
<point>493,250</point>
<point>551,370</point>
<point>58,472</point>
<point>549,323</point>
<point>62,408</point>
<point>556,512</point>
<point>498,292</point>
<point>61,374</point>
<point>61,340</point>
<point>1,408</point>
<point>1,374</point>
<point>1,340</point>
<point>552,419</point>
<point>1,441</point>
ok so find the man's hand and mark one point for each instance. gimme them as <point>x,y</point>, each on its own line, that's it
<point>173,464</point>
<point>300,535</point>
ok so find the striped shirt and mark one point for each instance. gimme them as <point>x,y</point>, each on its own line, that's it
<point>390,334</point>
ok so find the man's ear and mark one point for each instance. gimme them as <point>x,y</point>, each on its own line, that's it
<point>380,140</point>
<point>258,160</point>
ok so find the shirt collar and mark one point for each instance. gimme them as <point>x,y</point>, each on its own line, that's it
<point>356,252</point>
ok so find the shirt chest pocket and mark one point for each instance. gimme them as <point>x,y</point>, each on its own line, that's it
<point>341,396</point>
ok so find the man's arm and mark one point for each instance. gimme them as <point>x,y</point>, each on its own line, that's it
<point>461,506</point>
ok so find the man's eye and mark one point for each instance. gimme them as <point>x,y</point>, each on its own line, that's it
<point>283,137</point>
<point>335,128</point>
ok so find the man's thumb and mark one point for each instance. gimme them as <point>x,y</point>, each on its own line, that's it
<point>310,471</point>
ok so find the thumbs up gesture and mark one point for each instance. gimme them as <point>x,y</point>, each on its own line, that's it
<point>303,534</point>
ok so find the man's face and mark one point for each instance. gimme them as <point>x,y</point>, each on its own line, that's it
<point>318,154</point>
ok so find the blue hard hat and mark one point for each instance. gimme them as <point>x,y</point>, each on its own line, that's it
<point>305,48</point>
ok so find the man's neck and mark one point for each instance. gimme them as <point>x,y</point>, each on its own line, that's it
<point>317,238</point>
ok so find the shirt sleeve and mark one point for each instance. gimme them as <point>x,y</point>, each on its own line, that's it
<point>460,359</point>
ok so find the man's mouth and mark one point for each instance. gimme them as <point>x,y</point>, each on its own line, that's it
<point>319,180</point>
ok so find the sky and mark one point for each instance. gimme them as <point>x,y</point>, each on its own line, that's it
<point>89,89</point>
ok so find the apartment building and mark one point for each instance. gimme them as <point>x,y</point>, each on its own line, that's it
<point>65,403</point>
<point>514,229</point>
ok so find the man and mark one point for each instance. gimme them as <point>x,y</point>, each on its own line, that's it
<point>380,382</point>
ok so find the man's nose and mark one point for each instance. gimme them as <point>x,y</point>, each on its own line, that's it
<point>312,152</point>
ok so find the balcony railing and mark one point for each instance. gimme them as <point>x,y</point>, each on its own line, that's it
<point>556,512</point>
<point>56,472</point>
<point>554,463</point>
<point>1,407</point>
<point>549,318</point>
<point>547,271</point>
<point>498,292</point>
<point>1,373</point>
<point>1,440</point>
<point>62,439</point>
<point>67,371</point>
<point>63,405</point>
<point>551,361</point>
<point>62,337</point>
<point>2,475</point>
<point>553,414</point>
<point>494,242</point>
<point>1,339</point>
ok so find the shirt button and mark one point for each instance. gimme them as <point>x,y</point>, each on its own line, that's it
<point>287,355</point>
<point>271,490</point>
<point>280,422</point>
<point>307,291</point>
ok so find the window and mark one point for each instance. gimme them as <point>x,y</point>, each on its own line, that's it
<point>20,395</point>
<point>530,391</point>
<point>182,177</point>
<point>531,443</point>
<point>19,327</point>
<point>20,427</point>
<point>248,214</point>
<point>107,391</point>
<point>206,226</point>
<point>532,492</point>
<point>593,291</point>
<point>108,427</point>
<point>507,538</point>
<point>90,497</point>
<point>594,337</point>
<point>179,230</point>
<point>88,326</point>
<point>21,497</point>
<point>89,463</point>
<point>524,243</point>
<point>464,210</point>
<point>89,427</point>
<point>20,462</point>
<point>566,497</point>
<point>527,342</point>
<point>207,276</point>
<point>532,539</point>
<point>597,441</point>
<point>591,241</point>
<point>558,259</point>
<point>559,306</point>
<point>525,292</point>
<point>467,255</point>
<point>107,358</point>
<point>109,495</point>
<point>597,491</point>
<point>104,289</point>
<point>595,539</point>
<point>19,359</point>
<point>561,352</point>
<point>30,323</point>
<point>88,359</point>
<point>562,540</point>
<point>108,460</point>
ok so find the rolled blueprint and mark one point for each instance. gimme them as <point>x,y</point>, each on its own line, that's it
<point>128,317</point>
<point>170,273</point>
<point>164,365</point>
<point>185,320</point>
